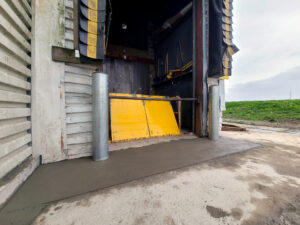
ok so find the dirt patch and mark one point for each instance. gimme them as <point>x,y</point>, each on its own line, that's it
<point>236,213</point>
<point>293,124</point>
<point>216,212</point>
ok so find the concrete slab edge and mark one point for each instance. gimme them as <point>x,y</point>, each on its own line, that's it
<point>9,187</point>
<point>46,204</point>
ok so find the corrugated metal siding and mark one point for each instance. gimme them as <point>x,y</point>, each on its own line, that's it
<point>77,110</point>
<point>69,24</point>
<point>15,87</point>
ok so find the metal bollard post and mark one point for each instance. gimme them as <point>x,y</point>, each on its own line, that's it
<point>214,113</point>
<point>100,116</point>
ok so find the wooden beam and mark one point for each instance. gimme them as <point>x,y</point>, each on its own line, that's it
<point>129,58</point>
<point>87,71</point>
<point>64,55</point>
<point>128,54</point>
<point>79,128</point>
<point>68,55</point>
<point>78,88</point>
<point>79,118</point>
<point>78,109</point>
<point>78,79</point>
<point>81,138</point>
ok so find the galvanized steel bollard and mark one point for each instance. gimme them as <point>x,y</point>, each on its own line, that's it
<point>214,113</point>
<point>100,116</point>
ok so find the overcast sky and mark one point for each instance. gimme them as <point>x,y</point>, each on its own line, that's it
<point>267,33</point>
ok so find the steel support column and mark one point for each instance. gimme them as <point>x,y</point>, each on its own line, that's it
<point>100,116</point>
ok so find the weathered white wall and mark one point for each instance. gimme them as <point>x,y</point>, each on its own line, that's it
<point>48,31</point>
<point>77,110</point>
<point>69,24</point>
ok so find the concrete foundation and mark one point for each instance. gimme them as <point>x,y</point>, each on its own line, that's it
<point>57,181</point>
<point>10,184</point>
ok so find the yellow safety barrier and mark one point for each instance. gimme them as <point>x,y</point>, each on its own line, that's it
<point>128,119</point>
<point>137,119</point>
<point>161,118</point>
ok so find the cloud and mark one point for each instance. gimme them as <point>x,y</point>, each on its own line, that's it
<point>277,87</point>
<point>267,33</point>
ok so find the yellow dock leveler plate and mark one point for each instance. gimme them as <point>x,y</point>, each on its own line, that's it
<point>137,119</point>
<point>128,119</point>
<point>161,118</point>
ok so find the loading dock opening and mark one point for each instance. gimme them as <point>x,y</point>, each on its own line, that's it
<point>150,50</point>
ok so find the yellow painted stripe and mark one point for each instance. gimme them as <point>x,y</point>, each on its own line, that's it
<point>228,40</point>
<point>92,27</point>
<point>91,52</point>
<point>227,27</point>
<point>227,36</point>
<point>93,4</point>
<point>226,61</point>
<point>231,51</point>
<point>226,72</point>
<point>227,11</point>
<point>226,68</point>
<point>185,67</point>
<point>92,30</point>
<point>227,6</point>
<point>92,39</point>
<point>224,78</point>
<point>227,20</point>
<point>93,15</point>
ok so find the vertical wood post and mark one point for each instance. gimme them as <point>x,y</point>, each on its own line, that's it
<point>200,65</point>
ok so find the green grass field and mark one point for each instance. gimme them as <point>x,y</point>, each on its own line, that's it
<point>269,111</point>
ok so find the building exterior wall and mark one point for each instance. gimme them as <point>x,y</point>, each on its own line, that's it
<point>69,24</point>
<point>62,121</point>
<point>48,31</point>
<point>61,108</point>
<point>15,86</point>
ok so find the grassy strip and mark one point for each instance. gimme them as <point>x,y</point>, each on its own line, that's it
<point>270,111</point>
